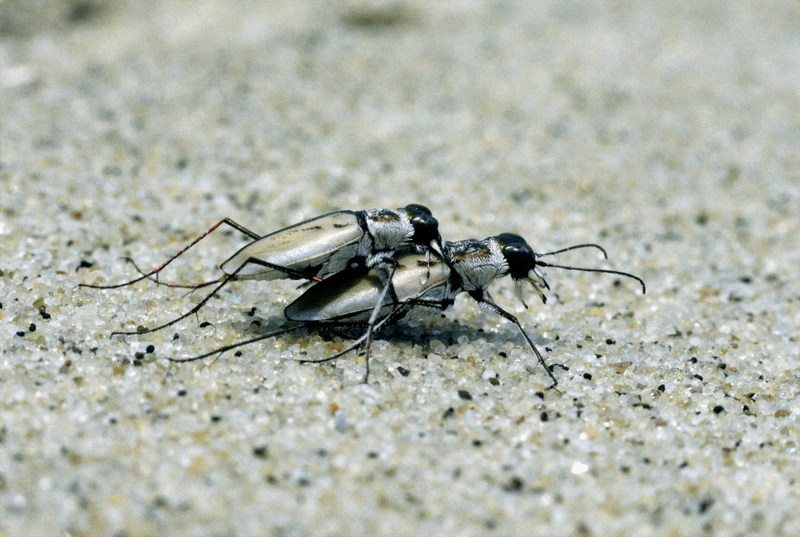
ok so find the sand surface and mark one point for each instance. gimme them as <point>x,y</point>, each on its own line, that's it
<point>666,131</point>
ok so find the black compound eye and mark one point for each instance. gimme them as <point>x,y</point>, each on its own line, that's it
<point>426,229</point>
<point>416,209</point>
<point>520,258</point>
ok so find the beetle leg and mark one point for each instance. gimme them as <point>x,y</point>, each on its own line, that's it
<point>223,281</point>
<point>306,274</point>
<point>154,279</point>
<point>386,276</point>
<point>226,348</point>
<point>491,306</point>
<point>153,274</point>
<point>399,310</point>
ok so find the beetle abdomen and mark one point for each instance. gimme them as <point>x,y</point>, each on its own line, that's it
<point>308,244</point>
<point>353,295</point>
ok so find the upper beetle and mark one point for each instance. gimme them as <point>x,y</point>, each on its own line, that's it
<point>317,248</point>
<point>327,244</point>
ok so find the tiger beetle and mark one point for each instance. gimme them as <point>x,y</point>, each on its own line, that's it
<point>314,250</point>
<point>419,282</point>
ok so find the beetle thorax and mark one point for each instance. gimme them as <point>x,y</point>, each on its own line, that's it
<point>388,229</point>
<point>478,263</point>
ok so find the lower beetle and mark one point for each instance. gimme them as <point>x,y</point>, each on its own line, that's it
<point>420,282</point>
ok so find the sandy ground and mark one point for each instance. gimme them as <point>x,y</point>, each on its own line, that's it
<point>668,132</point>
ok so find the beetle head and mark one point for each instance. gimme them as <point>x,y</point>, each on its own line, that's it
<point>426,227</point>
<point>522,263</point>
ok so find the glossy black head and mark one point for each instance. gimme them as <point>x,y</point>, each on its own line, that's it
<point>416,208</point>
<point>426,227</point>
<point>519,255</point>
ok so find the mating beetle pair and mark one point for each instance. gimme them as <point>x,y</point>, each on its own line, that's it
<point>372,268</point>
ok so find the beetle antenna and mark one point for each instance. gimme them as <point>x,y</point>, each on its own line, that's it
<point>577,246</point>
<point>607,271</point>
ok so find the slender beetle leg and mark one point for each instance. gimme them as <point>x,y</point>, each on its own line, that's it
<point>480,297</point>
<point>386,275</point>
<point>222,283</point>
<point>235,225</point>
<point>154,279</point>
<point>226,348</point>
<point>280,331</point>
<point>399,310</point>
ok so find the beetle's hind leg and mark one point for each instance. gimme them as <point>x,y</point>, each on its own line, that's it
<point>226,348</point>
<point>309,273</point>
<point>155,279</point>
<point>222,282</point>
<point>153,274</point>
